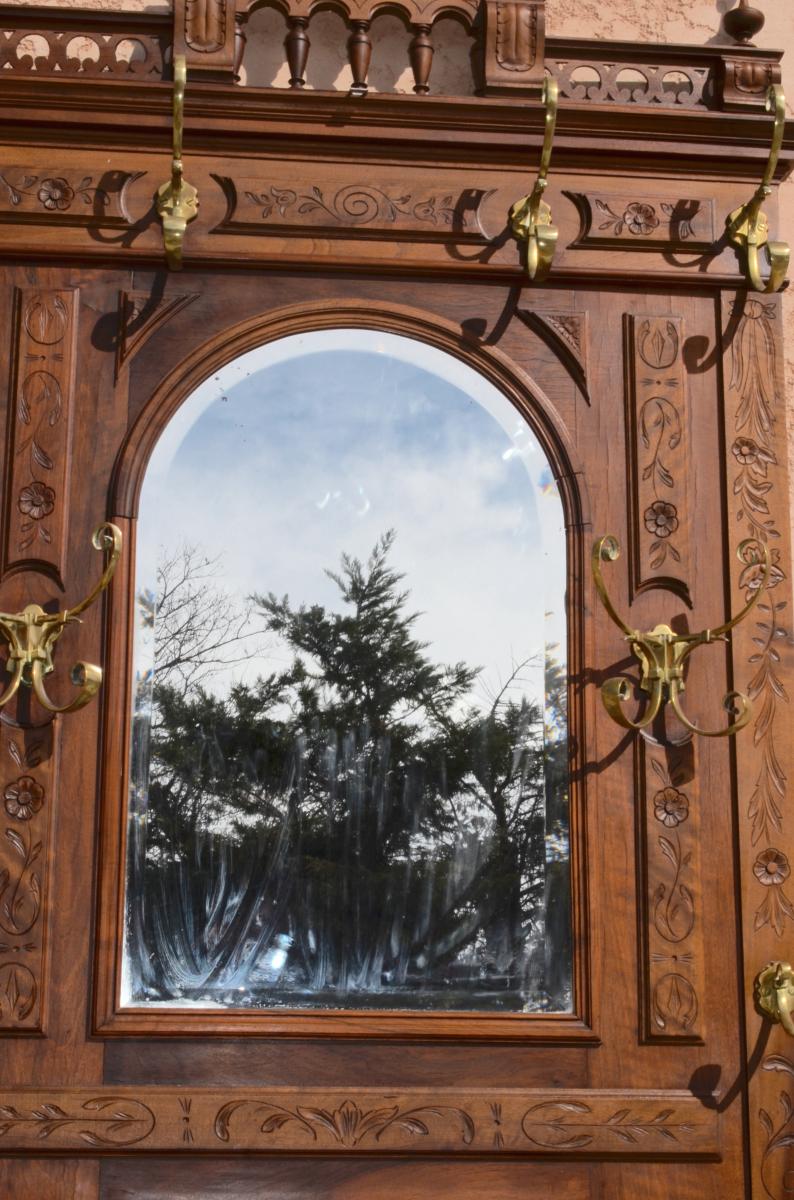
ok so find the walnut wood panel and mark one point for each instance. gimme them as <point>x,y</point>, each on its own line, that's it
<point>64,196</point>
<point>668,800</point>
<point>37,474</point>
<point>586,1124</point>
<point>659,467</point>
<point>762,660</point>
<point>28,781</point>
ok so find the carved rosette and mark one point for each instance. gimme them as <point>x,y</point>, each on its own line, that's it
<point>36,491</point>
<point>582,1123</point>
<point>658,449</point>
<point>762,665</point>
<point>27,780</point>
<point>614,221</point>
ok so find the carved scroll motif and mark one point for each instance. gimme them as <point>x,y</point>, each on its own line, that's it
<point>36,487</point>
<point>586,1124</point>
<point>298,206</point>
<point>624,222</point>
<point>657,427</point>
<point>670,900</point>
<point>27,781</point>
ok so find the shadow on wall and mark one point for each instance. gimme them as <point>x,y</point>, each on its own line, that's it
<point>265,63</point>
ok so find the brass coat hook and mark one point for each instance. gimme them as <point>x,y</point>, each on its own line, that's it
<point>774,994</point>
<point>662,654</point>
<point>177,200</point>
<point>748,226</point>
<point>530,218</point>
<point>32,634</point>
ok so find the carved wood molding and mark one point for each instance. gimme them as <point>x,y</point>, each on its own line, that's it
<point>28,779</point>
<point>672,975</point>
<point>623,221</point>
<point>583,1124</point>
<point>659,454</point>
<point>36,487</point>
<point>763,666</point>
<point>204,31</point>
<point>567,333</point>
<point>296,203</point>
<point>513,57</point>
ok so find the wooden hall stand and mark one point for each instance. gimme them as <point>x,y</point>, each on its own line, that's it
<point>665,1082</point>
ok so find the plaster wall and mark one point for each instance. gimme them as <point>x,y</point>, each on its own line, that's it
<point>687,21</point>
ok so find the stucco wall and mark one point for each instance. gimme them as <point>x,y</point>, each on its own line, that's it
<point>693,21</point>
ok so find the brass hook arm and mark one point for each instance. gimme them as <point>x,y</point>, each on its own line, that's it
<point>530,217</point>
<point>32,634</point>
<point>662,653</point>
<point>177,200</point>
<point>748,226</point>
<point>774,994</point>
<point>607,549</point>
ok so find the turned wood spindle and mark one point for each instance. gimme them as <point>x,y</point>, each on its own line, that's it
<point>240,39</point>
<point>359,48</point>
<point>743,23</point>
<point>297,46</point>
<point>421,55</point>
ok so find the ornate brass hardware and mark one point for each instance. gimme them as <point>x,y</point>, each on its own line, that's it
<point>177,200</point>
<point>530,217</point>
<point>32,634</point>
<point>663,654</point>
<point>748,226</point>
<point>774,994</point>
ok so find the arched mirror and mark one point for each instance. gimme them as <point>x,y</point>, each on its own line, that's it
<point>349,763</point>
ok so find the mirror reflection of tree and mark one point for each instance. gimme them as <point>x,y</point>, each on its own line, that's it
<point>352,829</point>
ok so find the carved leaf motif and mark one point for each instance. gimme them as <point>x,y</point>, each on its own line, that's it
<point>205,25</point>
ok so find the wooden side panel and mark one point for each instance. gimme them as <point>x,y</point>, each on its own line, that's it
<point>659,454</point>
<point>762,658</point>
<point>37,491</point>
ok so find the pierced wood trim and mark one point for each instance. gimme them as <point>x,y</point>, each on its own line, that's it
<point>572,1123</point>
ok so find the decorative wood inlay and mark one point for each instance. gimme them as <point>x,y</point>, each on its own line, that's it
<point>141,315</point>
<point>27,782</point>
<point>257,205</point>
<point>658,450</point>
<point>567,333</point>
<point>65,195</point>
<point>587,1124</point>
<point>620,221</point>
<point>762,665</point>
<point>670,895</point>
<point>37,494</point>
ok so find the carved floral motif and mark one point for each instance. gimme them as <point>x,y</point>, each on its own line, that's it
<point>779,1136</point>
<point>348,1124</point>
<point>572,1125</point>
<point>24,798</point>
<point>54,193</point>
<point>753,383</point>
<point>104,1121</point>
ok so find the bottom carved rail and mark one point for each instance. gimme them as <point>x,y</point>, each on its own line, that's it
<point>585,1124</point>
